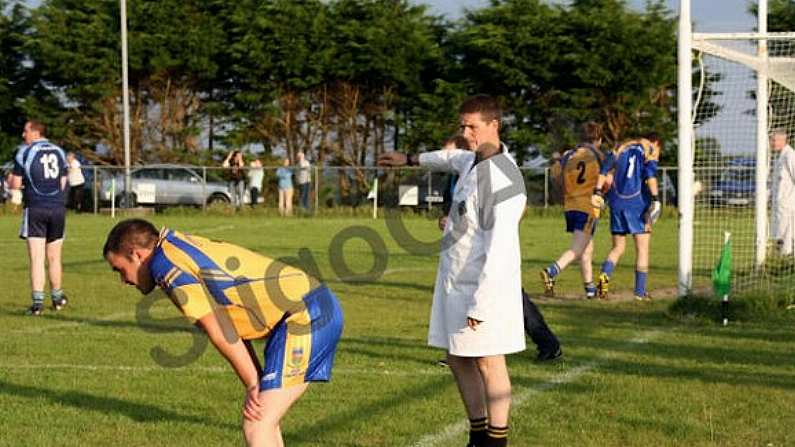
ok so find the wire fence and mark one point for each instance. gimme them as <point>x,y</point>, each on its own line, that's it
<point>162,186</point>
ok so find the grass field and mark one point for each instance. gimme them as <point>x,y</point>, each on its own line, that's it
<point>631,375</point>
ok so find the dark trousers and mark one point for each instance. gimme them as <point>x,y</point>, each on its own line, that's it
<point>536,328</point>
<point>254,196</point>
<point>76,197</point>
<point>304,191</point>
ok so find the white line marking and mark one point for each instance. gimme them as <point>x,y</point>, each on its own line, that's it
<point>443,436</point>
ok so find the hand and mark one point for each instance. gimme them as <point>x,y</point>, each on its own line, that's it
<point>654,211</point>
<point>392,159</point>
<point>598,201</point>
<point>473,323</point>
<point>442,222</point>
<point>252,407</point>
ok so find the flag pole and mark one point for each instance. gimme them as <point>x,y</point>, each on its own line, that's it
<point>724,305</point>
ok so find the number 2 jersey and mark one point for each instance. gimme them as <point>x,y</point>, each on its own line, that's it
<point>42,166</point>
<point>631,164</point>
<point>580,168</point>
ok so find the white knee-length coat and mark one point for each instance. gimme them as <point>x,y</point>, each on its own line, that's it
<point>479,273</point>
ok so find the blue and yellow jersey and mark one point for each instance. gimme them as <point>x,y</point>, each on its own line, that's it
<point>580,168</point>
<point>631,164</point>
<point>249,291</point>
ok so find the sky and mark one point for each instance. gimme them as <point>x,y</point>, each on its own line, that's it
<point>708,15</point>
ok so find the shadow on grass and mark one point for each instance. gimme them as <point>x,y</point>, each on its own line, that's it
<point>152,326</point>
<point>343,420</point>
<point>83,401</point>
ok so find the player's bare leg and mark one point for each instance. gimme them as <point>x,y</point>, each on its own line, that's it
<point>36,254</point>
<point>579,243</point>
<point>473,394</point>
<point>586,270</point>
<point>266,432</point>
<point>642,242</point>
<point>470,385</point>
<point>619,245</point>
<point>497,384</point>
<point>55,271</point>
<point>54,267</point>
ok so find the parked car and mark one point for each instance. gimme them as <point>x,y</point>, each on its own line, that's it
<point>164,185</point>
<point>736,185</point>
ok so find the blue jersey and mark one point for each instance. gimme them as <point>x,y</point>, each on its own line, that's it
<point>42,166</point>
<point>631,164</point>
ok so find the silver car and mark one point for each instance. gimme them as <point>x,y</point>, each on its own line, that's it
<point>165,185</point>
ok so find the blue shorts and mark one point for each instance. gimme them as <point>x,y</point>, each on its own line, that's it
<point>297,352</point>
<point>43,222</point>
<point>580,221</point>
<point>627,221</point>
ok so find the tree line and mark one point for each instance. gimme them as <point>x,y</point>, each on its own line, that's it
<point>341,80</point>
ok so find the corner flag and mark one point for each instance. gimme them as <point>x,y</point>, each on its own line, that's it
<point>722,275</point>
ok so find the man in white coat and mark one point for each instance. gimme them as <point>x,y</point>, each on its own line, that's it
<point>476,316</point>
<point>783,193</point>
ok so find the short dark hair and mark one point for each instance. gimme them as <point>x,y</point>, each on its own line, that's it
<point>653,137</point>
<point>38,126</point>
<point>458,140</point>
<point>591,132</point>
<point>487,106</point>
<point>128,234</point>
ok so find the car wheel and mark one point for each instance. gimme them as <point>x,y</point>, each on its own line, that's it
<point>127,200</point>
<point>217,199</point>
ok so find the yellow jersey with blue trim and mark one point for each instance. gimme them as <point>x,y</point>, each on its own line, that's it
<point>580,169</point>
<point>248,292</point>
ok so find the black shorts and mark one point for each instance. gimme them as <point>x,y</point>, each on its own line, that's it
<point>48,223</point>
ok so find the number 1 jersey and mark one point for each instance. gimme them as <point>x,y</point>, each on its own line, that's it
<point>631,164</point>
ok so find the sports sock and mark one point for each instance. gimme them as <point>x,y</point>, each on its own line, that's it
<point>38,297</point>
<point>56,294</point>
<point>640,283</point>
<point>497,437</point>
<point>608,267</point>
<point>477,432</point>
<point>553,270</point>
<point>590,288</point>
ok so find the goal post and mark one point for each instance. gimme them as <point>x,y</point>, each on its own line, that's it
<point>734,89</point>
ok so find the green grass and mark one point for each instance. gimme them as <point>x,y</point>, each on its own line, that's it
<point>632,375</point>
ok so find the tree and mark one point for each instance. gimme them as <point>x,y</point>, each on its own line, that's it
<point>174,49</point>
<point>18,79</point>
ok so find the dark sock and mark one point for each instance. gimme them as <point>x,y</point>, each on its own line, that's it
<point>496,436</point>
<point>477,432</point>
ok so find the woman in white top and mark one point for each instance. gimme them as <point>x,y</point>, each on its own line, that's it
<point>76,182</point>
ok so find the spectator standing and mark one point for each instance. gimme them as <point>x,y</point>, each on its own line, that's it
<point>255,174</point>
<point>303,179</point>
<point>285,178</point>
<point>237,184</point>
<point>76,182</point>
<point>783,193</point>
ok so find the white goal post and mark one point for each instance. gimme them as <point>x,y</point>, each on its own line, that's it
<point>772,74</point>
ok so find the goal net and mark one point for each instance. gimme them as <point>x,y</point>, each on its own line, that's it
<point>744,90</point>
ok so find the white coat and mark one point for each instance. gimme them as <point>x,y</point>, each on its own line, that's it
<point>783,198</point>
<point>479,273</point>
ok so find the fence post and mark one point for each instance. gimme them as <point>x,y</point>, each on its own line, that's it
<point>96,191</point>
<point>204,189</point>
<point>317,188</point>
<point>664,187</point>
<point>430,188</point>
<point>546,187</point>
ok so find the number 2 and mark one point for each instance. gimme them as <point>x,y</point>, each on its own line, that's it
<point>581,175</point>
